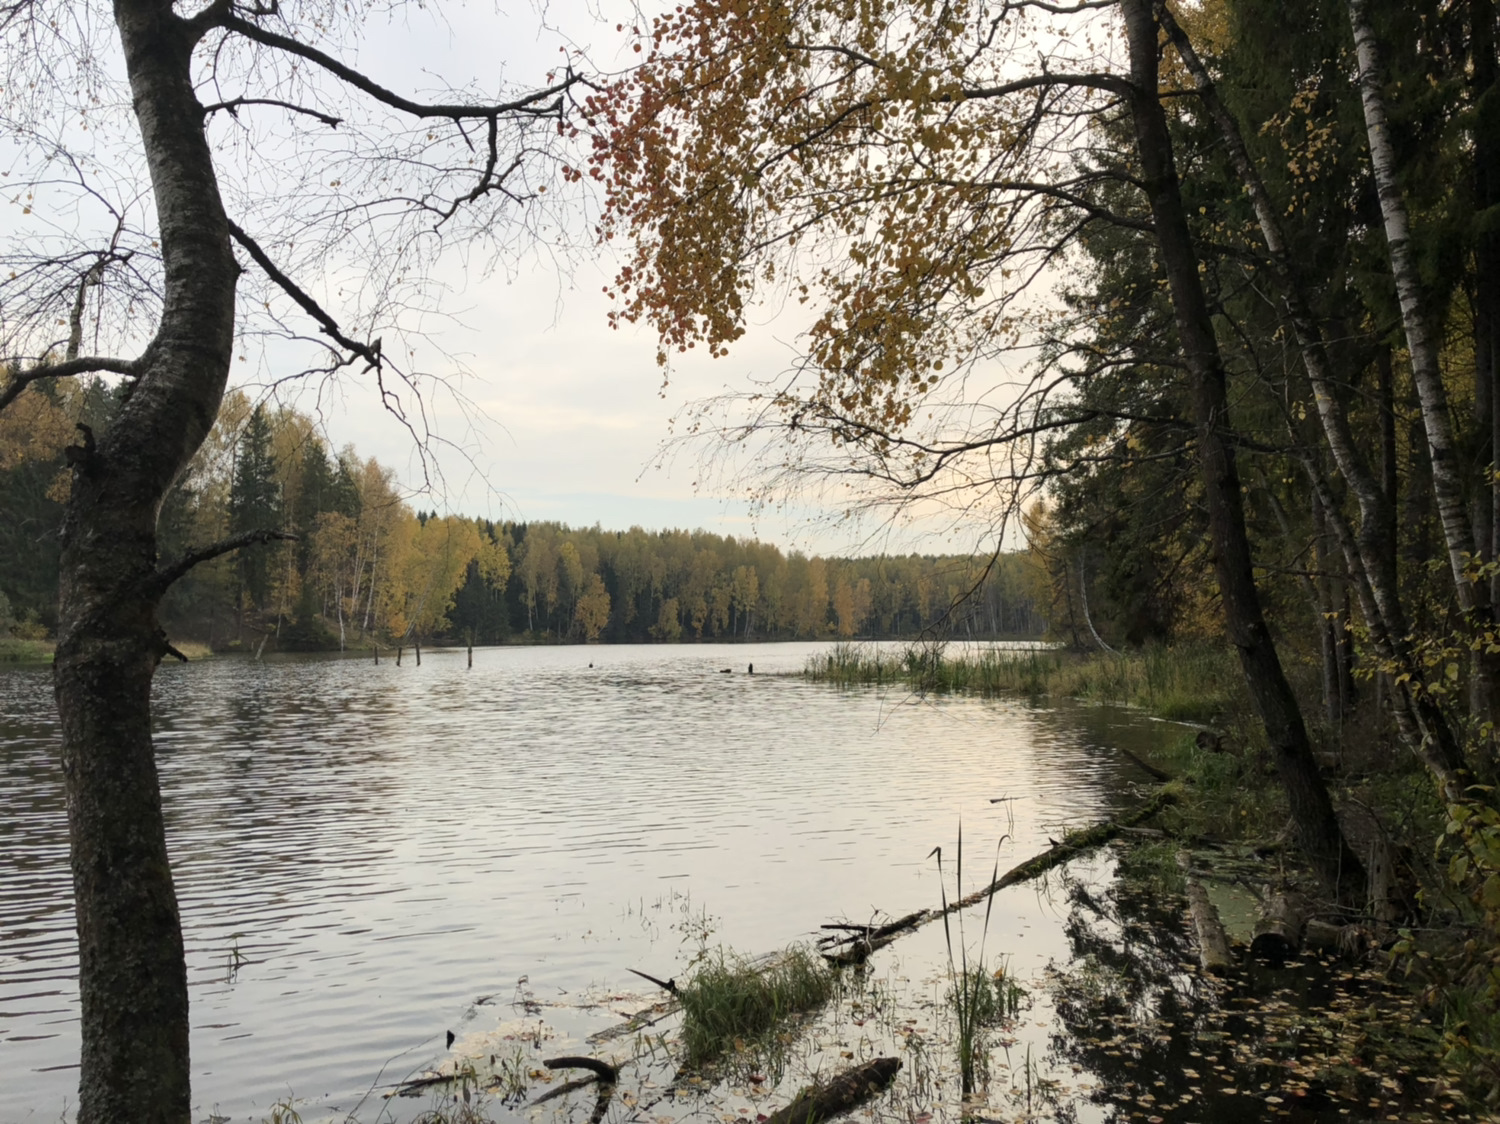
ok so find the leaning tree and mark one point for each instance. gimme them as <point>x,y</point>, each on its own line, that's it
<point>192,182</point>
<point>911,174</point>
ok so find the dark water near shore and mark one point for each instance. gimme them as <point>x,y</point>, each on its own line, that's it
<point>362,851</point>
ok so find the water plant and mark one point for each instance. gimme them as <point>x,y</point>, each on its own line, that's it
<point>977,999</point>
<point>1191,683</point>
<point>282,1112</point>
<point>731,1003</point>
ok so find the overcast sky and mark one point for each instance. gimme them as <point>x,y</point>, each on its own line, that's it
<point>571,413</point>
<point>568,415</point>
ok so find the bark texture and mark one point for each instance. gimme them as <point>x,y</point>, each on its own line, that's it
<point>1458,534</point>
<point>1370,551</point>
<point>132,976</point>
<point>1312,813</point>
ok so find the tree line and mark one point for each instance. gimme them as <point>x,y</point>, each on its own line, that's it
<point>1208,294</point>
<point>1271,359</point>
<point>365,567</point>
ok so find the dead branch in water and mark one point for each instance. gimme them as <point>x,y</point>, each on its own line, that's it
<point>606,1072</point>
<point>844,1093</point>
<point>1075,843</point>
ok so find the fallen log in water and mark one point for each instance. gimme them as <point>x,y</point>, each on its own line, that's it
<point>844,1093</point>
<point>606,1072</point>
<point>1278,933</point>
<point>1213,945</point>
<point>1149,769</point>
<point>865,939</point>
<point>1074,844</point>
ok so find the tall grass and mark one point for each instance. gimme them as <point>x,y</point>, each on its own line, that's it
<point>13,649</point>
<point>730,1003</point>
<point>977,998</point>
<point>1189,683</point>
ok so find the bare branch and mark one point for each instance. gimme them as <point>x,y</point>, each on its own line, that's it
<point>66,369</point>
<point>232,107</point>
<point>538,103</point>
<point>166,575</point>
<point>1107,82</point>
<point>369,352</point>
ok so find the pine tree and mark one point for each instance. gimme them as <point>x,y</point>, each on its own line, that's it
<point>254,503</point>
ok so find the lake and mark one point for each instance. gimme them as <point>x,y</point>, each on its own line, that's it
<point>370,857</point>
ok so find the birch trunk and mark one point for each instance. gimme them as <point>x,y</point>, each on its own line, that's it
<point>1314,823</point>
<point>1370,553</point>
<point>1458,534</point>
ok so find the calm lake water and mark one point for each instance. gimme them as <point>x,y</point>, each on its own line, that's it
<point>364,852</point>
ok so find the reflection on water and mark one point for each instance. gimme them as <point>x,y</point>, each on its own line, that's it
<point>361,850</point>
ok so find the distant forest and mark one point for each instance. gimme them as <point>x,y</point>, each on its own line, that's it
<point>365,567</point>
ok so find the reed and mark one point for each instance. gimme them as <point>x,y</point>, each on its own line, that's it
<point>978,998</point>
<point>1195,683</point>
<point>15,650</point>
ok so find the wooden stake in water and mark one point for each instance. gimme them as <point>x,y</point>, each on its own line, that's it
<point>398,655</point>
<point>377,654</point>
<point>417,644</point>
<point>471,653</point>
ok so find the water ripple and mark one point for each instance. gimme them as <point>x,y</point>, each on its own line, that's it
<point>361,850</point>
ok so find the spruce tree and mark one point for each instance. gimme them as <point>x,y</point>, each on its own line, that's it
<point>254,504</point>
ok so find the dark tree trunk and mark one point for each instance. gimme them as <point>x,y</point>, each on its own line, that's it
<point>132,977</point>
<point>1484,72</point>
<point>1370,554</point>
<point>1312,812</point>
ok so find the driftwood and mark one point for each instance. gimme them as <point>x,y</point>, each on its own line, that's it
<point>607,1076</point>
<point>1278,933</point>
<point>1213,945</point>
<point>1149,769</point>
<point>865,939</point>
<point>605,1071</point>
<point>1074,844</point>
<point>844,1093</point>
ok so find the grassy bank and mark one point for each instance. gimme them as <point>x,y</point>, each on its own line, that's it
<point>1189,684</point>
<point>14,650</point>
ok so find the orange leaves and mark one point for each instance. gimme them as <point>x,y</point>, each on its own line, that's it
<point>827,150</point>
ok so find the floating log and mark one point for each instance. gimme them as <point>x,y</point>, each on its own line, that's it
<point>605,1071</point>
<point>1213,945</point>
<point>1150,770</point>
<point>866,933</point>
<point>1278,933</point>
<point>1075,843</point>
<point>844,1093</point>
